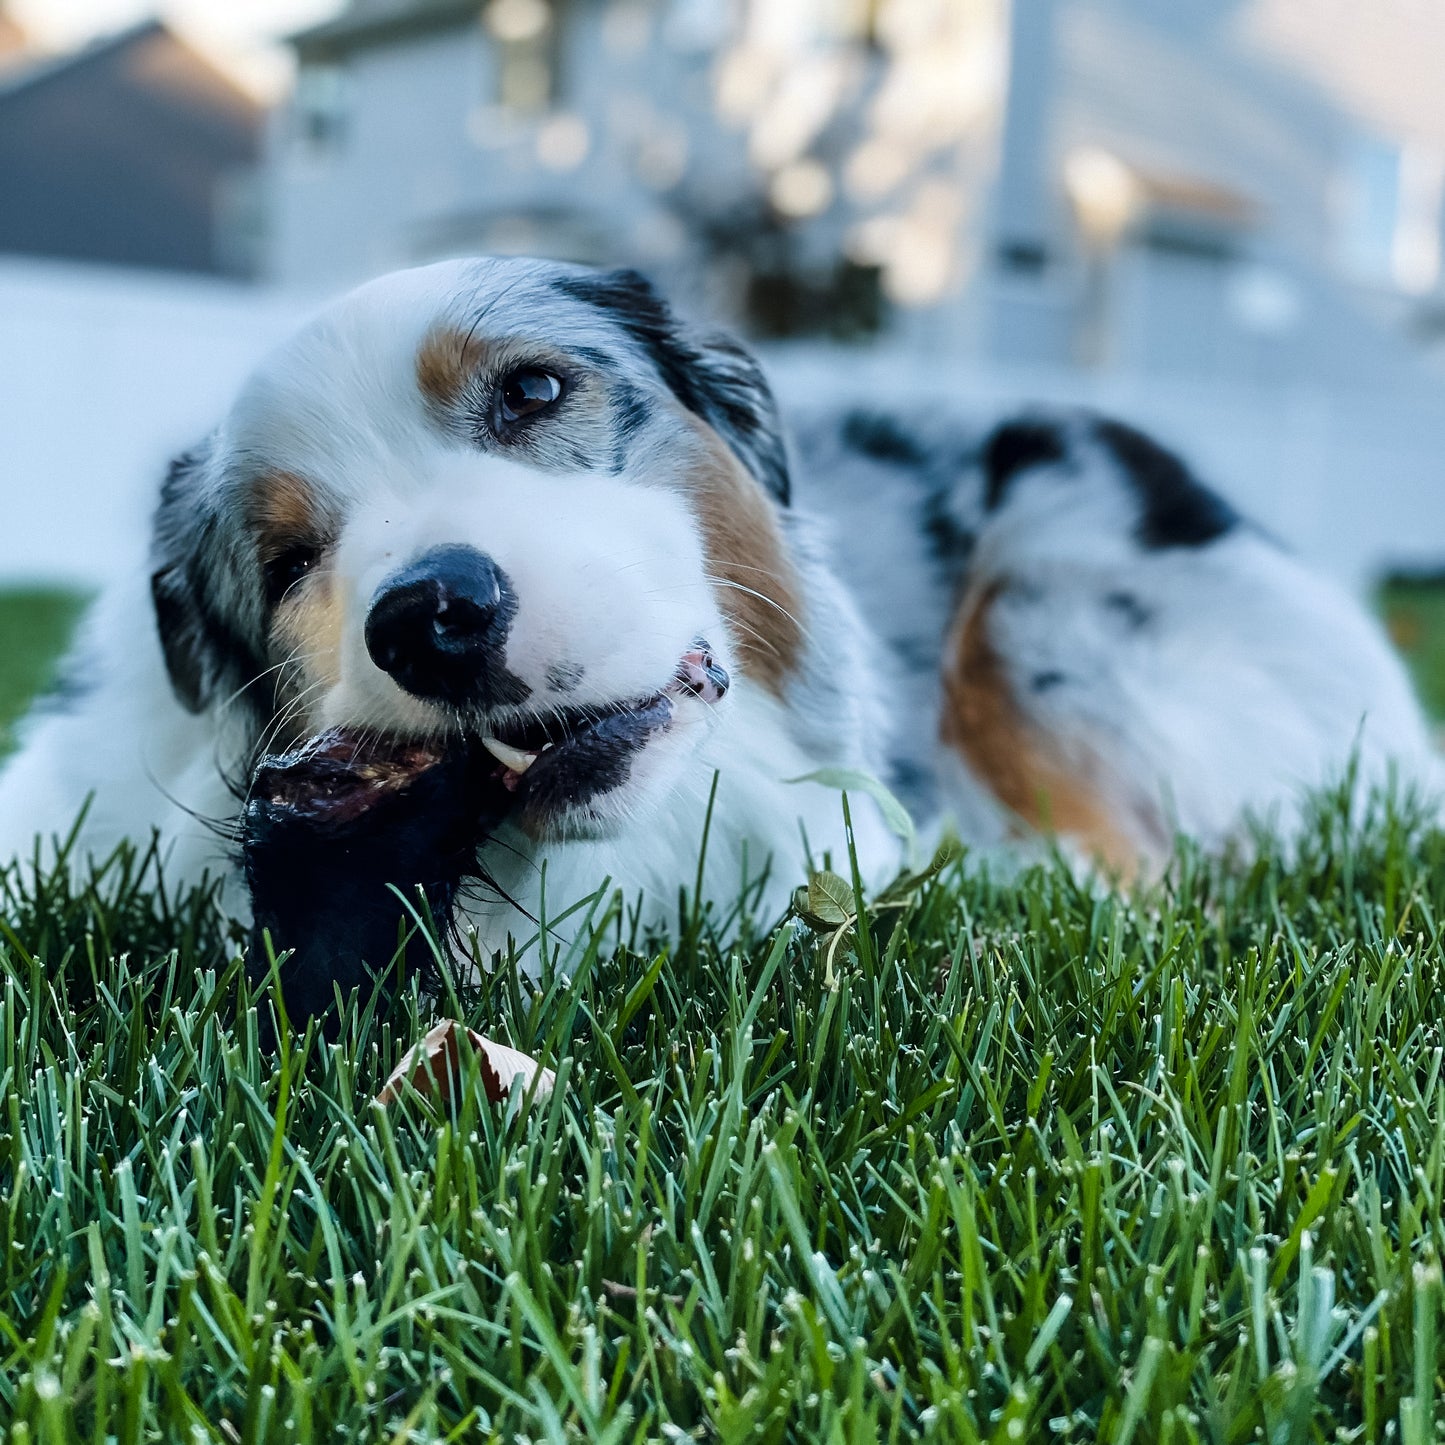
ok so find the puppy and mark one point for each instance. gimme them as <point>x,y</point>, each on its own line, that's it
<point>499,508</point>
<point>492,585</point>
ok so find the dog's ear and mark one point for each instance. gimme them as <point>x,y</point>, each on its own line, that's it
<point>200,650</point>
<point>709,372</point>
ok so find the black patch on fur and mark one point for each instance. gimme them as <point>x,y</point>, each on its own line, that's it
<point>913,784</point>
<point>631,412</point>
<point>581,458</point>
<point>916,653</point>
<point>1136,613</point>
<point>1047,681</point>
<point>1015,447</point>
<point>881,437</point>
<point>933,467</point>
<point>950,542</point>
<point>631,408</point>
<point>204,652</point>
<point>1179,510</point>
<point>711,375</point>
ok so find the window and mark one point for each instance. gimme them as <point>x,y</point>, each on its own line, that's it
<point>319,107</point>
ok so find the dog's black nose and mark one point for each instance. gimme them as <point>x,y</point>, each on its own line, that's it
<point>439,627</point>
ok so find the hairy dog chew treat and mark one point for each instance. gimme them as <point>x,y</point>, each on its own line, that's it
<point>333,829</point>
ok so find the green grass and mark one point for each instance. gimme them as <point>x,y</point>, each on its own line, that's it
<point>1014,1162</point>
<point>1414,610</point>
<point>35,625</point>
<point>1017,1162</point>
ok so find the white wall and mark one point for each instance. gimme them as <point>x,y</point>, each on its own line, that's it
<point>105,375</point>
<point>352,207</point>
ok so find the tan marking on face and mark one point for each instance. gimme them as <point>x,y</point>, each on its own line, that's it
<point>759,590</point>
<point>283,510</point>
<point>310,624</point>
<point>1022,766</point>
<point>446,362</point>
<point>306,637</point>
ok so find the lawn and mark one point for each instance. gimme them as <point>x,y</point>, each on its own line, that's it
<point>1414,610</point>
<point>1018,1161</point>
<point>35,624</point>
<point>1037,1164</point>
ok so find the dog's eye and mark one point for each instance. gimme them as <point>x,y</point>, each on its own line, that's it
<point>284,571</point>
<point>527,391</point>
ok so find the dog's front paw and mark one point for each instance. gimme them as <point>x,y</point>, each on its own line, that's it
<point>335,834</point>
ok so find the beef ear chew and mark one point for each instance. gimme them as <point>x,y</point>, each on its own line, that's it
<point>332,829</point>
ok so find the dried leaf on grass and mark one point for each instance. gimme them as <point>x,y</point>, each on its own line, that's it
<point>827,902</point>
<point>828,907</point>
<point>434,1067</point>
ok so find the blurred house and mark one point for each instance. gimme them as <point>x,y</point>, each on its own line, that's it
<point>1175,195</point>
<point>426,128</point>
<point>134,151</point>
<point>1201,214</point>
<point>1079,182</point>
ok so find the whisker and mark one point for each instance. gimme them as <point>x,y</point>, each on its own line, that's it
<point>761,596</point>
<point>294,657</point>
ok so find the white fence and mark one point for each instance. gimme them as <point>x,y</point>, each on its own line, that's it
<point>1353,481</point>
<point>105,375</point>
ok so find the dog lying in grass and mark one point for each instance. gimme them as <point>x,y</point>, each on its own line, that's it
<point>497,581</point>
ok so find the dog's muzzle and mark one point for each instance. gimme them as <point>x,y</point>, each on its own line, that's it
<point>439,628</point>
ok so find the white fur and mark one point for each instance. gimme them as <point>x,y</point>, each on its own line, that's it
<point>1198,686</point>
<point>1251,683</point>
<point>1257,683</point>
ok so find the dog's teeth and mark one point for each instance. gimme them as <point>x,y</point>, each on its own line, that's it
<point>509,757</point>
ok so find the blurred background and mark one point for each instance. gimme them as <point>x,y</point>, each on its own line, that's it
<point>1223,219</point>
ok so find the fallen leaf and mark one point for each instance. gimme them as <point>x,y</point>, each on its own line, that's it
<point>904,888</point>
<point>434,1066</point>
<point>829,902</point>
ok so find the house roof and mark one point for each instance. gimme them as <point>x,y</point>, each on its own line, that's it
<point>121,152</point>
<point>376,22</point>
<point>152,35</point>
